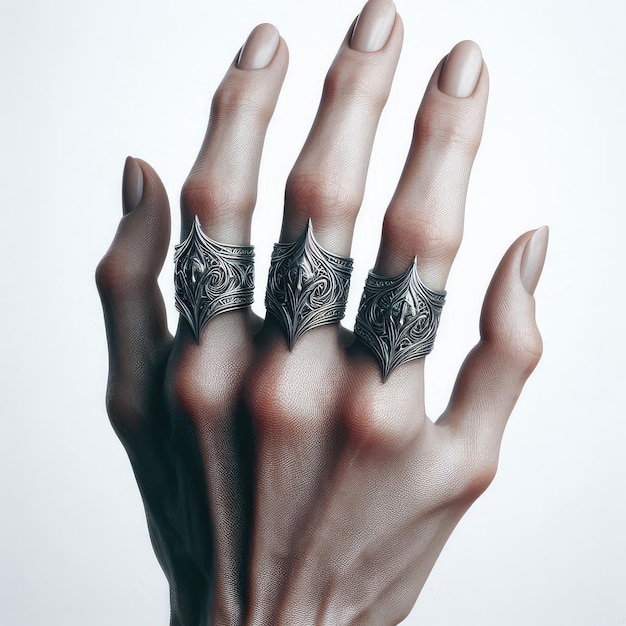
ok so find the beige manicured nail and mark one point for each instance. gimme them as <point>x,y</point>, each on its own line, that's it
<point>132,185</point>
<point>373,26</point>
<point>260,48</point>
<point>461,71</point>
<point>533,259</point>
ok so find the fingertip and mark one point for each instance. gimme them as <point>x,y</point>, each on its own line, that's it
<point>144,231</point>
<point>533,258</point>
<point>260,47</point>
<point>373,26</point>
<point>462,69</point>
<point>508,314</point>
<point>132,185</point>
<point>281,58</point>
<point>154,193</point>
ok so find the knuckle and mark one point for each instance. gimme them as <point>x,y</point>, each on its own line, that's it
<point>368,423</point>
<point>235,99</point>
<point>106,275</point>
<point>190,395</point>
<point>429,237</point>
<point>521,346</point>
<point>464,468</point>
<point>204,385</point>
<point>279,400</point>
<point>118,275</point>
<point>448,130</point>
<point>271,403</point>
<point>269,408</point>
<point>477,476</point>
<point>436,240</point>
<point>126,414</point>
<point>322,196</point>
<point>216,198</point>
<point>527,349</point>
<point>344,82</point>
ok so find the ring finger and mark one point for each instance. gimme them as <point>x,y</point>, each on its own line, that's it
<point>425,216</point>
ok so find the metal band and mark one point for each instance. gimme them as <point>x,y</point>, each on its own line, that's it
<point>398,318</point>
<point>307,286</point>
<point>211,278</point>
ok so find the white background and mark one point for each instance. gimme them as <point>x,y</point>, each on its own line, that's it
<point>85,83</point>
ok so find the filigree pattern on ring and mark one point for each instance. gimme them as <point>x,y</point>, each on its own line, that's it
<point>211,278</point>
<point>307,286</point>
<point>398,318</point>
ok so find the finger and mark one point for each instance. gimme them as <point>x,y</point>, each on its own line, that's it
<point>327,181</point>
<point>134,311</point>
<point>425,216</point>
<point>221,188</point>
<point>494,373</point>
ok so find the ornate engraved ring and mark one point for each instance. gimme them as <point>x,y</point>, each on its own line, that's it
<point>398,318</point>
<point>211,278</point>
<point>307,286</point>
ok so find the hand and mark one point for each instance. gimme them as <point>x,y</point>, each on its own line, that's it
<point>295,486</point>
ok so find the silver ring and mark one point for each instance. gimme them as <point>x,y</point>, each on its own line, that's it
<point>398,318</point>
<point>211,278</point>
<point>307,286</point>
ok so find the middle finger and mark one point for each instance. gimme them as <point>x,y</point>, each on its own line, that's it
<point>327,181</point>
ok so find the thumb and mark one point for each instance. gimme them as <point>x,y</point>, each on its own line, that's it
<point>494,373</point>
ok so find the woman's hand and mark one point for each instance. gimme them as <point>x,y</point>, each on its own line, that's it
<point>294,486</point>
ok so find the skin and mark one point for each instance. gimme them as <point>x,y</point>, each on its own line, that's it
<point>295,487</point>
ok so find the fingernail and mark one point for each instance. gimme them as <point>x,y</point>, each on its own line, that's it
<point>373,26</point>
<point>533,259</point>
<point>132,185</point>
<point>260,48</point>
<point>461,71</point>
